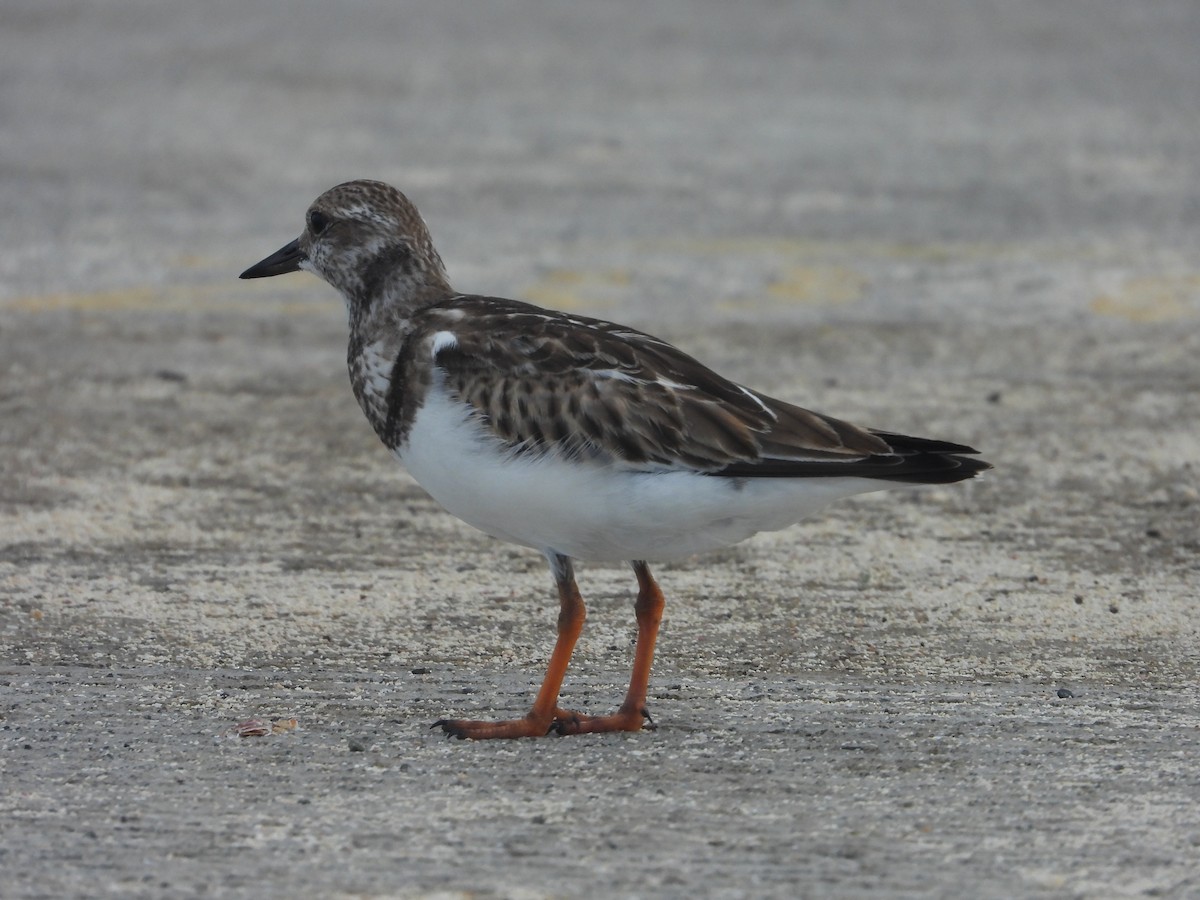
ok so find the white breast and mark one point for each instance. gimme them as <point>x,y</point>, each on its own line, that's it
<point>587,510</point>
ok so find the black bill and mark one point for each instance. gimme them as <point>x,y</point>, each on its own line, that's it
<point>285,259</point>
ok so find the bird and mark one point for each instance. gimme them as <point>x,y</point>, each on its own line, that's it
<point>576,437</point>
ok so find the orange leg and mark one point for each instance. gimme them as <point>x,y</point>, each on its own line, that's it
<point>541,717</point>
<point>632,712</point>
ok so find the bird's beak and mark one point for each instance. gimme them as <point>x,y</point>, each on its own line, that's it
<point>285,259</point>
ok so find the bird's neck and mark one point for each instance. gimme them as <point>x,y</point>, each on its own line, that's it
<point>383,308</point>
<point>376,343</point>
<point>387,290</point>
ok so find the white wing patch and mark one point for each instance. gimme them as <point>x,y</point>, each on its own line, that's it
<point>450,313</point>
<point>443,340</point>
<point>749,393</point>
<point>614,374</point>
<point>671,385</point>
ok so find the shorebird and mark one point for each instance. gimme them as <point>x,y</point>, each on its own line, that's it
<point>576,437</point>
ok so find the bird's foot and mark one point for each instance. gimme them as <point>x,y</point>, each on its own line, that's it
<point>476,730</point>
<point>624,719</point>
<point>565,721</point>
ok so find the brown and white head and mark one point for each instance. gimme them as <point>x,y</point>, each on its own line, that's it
<point>367,240</point>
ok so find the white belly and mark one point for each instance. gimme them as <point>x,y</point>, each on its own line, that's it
<point>591,511</point>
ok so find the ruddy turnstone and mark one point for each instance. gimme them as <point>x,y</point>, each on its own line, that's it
<point>580,438</point>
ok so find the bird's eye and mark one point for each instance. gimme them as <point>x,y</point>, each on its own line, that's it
<point>317,222</point>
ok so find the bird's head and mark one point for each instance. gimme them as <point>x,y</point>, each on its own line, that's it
<point>367,240</point>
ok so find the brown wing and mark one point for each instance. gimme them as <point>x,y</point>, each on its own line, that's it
<point>549,382</point>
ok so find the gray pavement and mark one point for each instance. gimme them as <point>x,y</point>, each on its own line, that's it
<point>976,221</point>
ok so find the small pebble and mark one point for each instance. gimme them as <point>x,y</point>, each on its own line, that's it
<point>356,746</point>
<point>1064,694</point>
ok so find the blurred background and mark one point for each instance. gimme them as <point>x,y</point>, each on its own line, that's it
<point>141,138</point>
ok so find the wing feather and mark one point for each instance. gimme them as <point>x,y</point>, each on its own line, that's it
<point>547,382</point>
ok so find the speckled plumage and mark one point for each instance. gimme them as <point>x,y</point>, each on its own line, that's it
<point>578,437</point>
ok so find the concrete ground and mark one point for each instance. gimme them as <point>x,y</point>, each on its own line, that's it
<point>973,221</point>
